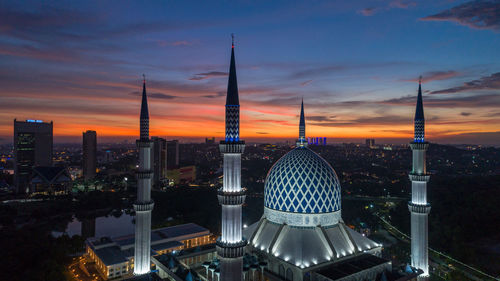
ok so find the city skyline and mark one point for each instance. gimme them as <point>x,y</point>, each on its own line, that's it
<point>355,65</point>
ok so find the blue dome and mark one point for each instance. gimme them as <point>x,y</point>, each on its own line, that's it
<point>302,182</point>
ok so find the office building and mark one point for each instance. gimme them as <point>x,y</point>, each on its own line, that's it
<point>33,140</point>
<point>172,154</point>
<point>370,143</point>
<point>89,159</point>
<point>159,160</point>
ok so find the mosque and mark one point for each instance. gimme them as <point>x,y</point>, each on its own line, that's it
<point>301,235</point>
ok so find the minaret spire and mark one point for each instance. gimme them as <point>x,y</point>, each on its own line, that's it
<point>302,126</point>
<point>232,102</point>
<point>232,85</point>
<point>418,206</point>
<point>419,116</point>
<point>144,120</point>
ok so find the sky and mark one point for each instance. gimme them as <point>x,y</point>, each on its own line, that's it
<point>355,63</point>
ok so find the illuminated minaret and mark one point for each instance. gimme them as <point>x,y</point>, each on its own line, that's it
<point>144,205</point>
<point>231,196</point>
<point>302,127</point>
<point>418,206</point>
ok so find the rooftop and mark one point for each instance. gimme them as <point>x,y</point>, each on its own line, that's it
<point>111,255</point>
<point>351,266</point>
<point>189,229</point>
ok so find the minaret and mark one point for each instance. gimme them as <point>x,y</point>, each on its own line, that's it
<point>419,208</point>
<point>302,127</point>
<point>231,196</point>
<point>144,205</point>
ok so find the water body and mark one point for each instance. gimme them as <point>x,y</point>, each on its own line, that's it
<point>99,227</point>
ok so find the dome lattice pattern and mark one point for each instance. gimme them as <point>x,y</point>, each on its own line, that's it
<point>302,182</point>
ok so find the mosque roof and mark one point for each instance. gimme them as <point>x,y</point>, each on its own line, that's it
<point>308,246</point>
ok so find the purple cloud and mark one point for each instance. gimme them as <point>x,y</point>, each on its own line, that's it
<point>474,14</point>
<point>155,95</point>
<point>367,12</point>
<point>491,82</point>
<point>402,4</point>
<point>208,75</point>
<point>435,75</point>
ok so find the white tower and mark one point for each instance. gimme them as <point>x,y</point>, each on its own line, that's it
<point>144,205</point>
<point>231,196</point>
<point>419,208</point>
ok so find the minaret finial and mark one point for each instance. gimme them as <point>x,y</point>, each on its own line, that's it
<point>232,40</point>
<point>144,78</point>
<point>420,80</point>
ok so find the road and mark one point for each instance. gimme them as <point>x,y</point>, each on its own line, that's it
<point>439,257</point>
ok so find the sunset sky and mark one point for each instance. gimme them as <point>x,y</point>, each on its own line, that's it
<point>355,63</point>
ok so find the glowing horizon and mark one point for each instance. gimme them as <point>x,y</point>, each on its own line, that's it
<point>357,72</point>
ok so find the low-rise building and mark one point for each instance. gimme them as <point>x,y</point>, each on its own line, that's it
<point>50,181</point>
<point>114,256</point>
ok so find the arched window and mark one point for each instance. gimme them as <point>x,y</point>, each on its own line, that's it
<point>289,275</point>
<point>282,270</point>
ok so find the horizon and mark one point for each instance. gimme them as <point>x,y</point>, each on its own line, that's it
<point>355,65</point>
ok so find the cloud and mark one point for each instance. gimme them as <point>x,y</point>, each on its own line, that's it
<point>435,75</point>
<point>485,100</point>
<point>491,82</point>
<point>208,75</point>
<point>400,4</point>
<point>305,83</point>
<point>216,95</point>
<point>262,133</point>
<point>155,95</point>
<point>365,121</point>
<point>320,118</point>
<point>474,14</point>
<point>494,114</point>
<point>367,12</point>
<point>490,138</point>
<point>163,43</point>
<point>465,113</point>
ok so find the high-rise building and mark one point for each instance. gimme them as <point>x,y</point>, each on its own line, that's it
<point>419,207</point>
<point>89,160</point>
<point>172,154</point>
<point>370,142</point>
<point>159,160</point>
<point>231,196</point>
<point>144,205</point>
<point>32,147</point>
